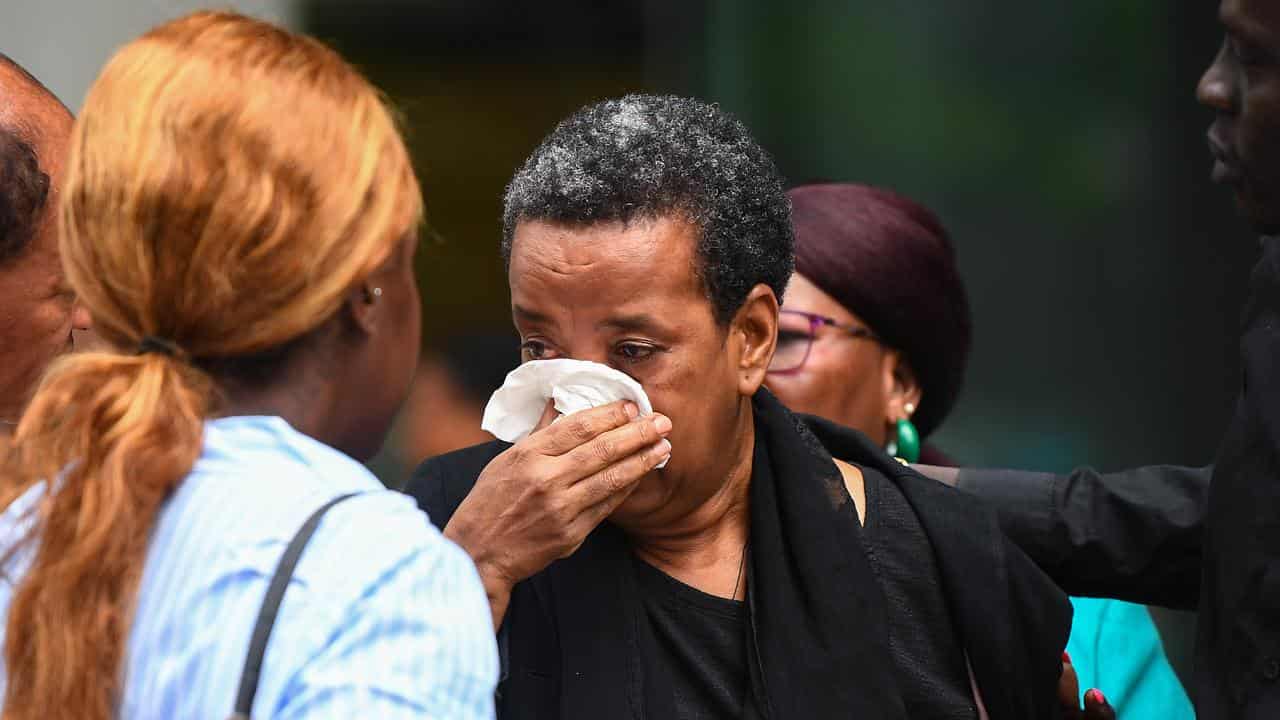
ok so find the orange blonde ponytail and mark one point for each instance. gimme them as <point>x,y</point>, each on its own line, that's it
<point>134,424</point>
<point>229,182</point>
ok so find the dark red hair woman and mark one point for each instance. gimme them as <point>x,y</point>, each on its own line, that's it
<point>875,327</point>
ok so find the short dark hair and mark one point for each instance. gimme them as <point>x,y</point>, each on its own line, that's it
<point>24,189</point>
<point>646,156</point>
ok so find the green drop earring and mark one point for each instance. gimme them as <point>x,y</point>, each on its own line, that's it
<point>906,442</point>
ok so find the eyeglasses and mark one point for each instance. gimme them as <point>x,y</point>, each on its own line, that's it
<point>796,331</point>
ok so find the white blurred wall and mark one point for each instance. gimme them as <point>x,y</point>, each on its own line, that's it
<point>65,42</point>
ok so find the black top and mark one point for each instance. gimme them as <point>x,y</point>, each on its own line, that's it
<point>817,630</point>
<point>696,644</point>
<point>698,641</point>
<point>1170,536</point>
<point>930,664</point>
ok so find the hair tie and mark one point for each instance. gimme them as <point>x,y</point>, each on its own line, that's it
<point>153,344</point>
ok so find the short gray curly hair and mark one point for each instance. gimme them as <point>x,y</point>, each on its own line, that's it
<point>647,156</point>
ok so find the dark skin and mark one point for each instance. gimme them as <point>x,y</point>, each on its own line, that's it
<point>599,293</point>
<point>1242,86</point>
<point>39,316</point>
<point>855,381</point>
<point>1096,706</point>
<point>539,500</point>
<point>626,296</point>
<point>345,383</point>
<point>604,295</point>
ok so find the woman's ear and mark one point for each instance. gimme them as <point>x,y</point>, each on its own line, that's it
<point>362,304</point>
<point>755,329</point>
<point>903,388</point>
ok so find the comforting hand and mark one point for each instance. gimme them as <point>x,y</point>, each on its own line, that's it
<point>1095,704</point>
<point>540,499</point>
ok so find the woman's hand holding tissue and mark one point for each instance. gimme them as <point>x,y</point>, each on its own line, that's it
<point>538,501</point>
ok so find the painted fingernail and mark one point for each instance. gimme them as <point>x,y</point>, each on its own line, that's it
<point>631,410</point>
<point>1097,699</point>
<point>1066,658</point>
<point>662,423</point>
<point>663,447</point>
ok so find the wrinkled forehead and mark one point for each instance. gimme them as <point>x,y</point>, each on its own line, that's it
<point>602,265</point>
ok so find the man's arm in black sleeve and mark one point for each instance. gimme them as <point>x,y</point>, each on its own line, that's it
<point>1134,535</point>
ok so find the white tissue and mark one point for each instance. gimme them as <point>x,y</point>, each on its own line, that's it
<point>516,407</point>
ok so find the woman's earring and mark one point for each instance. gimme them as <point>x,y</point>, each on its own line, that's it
<point>906,441</point>
<point>371,295</point>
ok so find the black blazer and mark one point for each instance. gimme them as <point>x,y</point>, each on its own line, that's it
<point>566,654</point>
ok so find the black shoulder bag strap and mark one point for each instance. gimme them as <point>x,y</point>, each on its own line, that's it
<point>271,606</point>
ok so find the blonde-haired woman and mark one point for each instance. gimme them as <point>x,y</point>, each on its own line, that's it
<point>239,217</point>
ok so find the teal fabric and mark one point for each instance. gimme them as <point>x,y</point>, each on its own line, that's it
<point>1114,647</point>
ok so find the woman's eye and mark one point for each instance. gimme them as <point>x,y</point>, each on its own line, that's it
<point>533,349</point>
<point>633,352</point>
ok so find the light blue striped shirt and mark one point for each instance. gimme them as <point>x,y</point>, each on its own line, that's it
<point>384,618</point>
